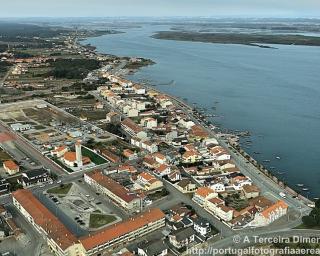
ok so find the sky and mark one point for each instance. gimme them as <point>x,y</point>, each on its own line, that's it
<point>167,8</point>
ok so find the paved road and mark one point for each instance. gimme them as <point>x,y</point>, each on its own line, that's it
<point>29,243</point>
<point>27,148</point>
<point>264,182</point>
<point>222,228</point>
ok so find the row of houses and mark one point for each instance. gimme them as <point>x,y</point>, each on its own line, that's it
<point>63,243</point>
<point>130,198</point>
<point>260,212</point>
<point>208,164</point>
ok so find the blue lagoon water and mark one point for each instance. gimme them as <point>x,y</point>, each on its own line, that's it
<point>273,93</point>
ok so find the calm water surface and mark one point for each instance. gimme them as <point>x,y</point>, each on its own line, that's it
<point>273,93</point>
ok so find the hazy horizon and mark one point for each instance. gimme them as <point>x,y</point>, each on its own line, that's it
<point>161,8</point>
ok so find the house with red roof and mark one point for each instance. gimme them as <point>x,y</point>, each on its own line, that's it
<point>203,194</point>
<point>11,167</point>
<point>62,242</point>
<point>270,214</point>
<point>115,191</point>
<point>149,182</point>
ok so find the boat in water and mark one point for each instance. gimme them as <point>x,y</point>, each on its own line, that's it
<point>278,157</point>
<point>300,185</point>
<point>305,189</point>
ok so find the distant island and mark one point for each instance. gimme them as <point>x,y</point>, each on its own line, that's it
<point>236,38</point>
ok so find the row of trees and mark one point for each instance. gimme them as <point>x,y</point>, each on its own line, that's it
<point>313,219</point>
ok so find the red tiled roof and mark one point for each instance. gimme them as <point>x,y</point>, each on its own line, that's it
<point>112,185</point>
<point>59,149</point>
<point>159,155</point>
<point>250,188</point>
<point>280,204</point>
<point>110,156</point>
<point>44,218</point>
<point>70,156</point>
<point>198,131</point>
<point>128,152</point>
<point>188,154</point>
<point>10,165</point>
<point>131,125</point>
<point>162,168</point>
<point>148,177</point>
<point>121,228</point>
<point>216,201</point>
<point>204,191</point>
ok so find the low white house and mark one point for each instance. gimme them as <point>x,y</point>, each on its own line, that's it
<point>218,187</point>
<point>202,226</point>
<point>217,207</point>
<point>163,170</point>
<point>149,122</point>
<point>18,127</point>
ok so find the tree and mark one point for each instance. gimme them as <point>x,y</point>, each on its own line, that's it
<point>309,221</point>
<point>182,151</point>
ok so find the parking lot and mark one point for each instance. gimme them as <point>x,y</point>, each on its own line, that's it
<point>86,210</point>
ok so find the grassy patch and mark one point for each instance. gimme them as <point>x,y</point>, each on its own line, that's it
<point>61,165</point>
<point>4,156</point>
<point>95,158</point>
<point>63,189</point>
<point>99,220</point>
<point>39,127</point>
<point>236,202</point>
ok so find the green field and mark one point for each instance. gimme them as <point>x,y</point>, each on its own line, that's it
<point>63,189</point>
<point>95,158</point>
<point>98,220</point>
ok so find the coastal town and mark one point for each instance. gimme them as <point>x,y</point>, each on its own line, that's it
<point>98,164</point>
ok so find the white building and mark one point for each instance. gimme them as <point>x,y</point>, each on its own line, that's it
<point>18,127</point>
<point>149,122</point>
<point>270,214</point>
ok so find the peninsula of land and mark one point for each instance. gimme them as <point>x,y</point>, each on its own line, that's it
<point>237,38</point>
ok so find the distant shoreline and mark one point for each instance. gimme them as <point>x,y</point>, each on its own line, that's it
<point>236,38</point>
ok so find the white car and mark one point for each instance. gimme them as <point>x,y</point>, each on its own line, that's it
<point>147,202</point>
<point>58,181</point>
<point>283,195</point>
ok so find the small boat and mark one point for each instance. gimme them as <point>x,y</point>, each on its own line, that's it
<point>278,157</point>
<point>300,185</point>
<point>272,167</point>
<point>316,198</point>
<point>305,189</point>
<point>266,161</point>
